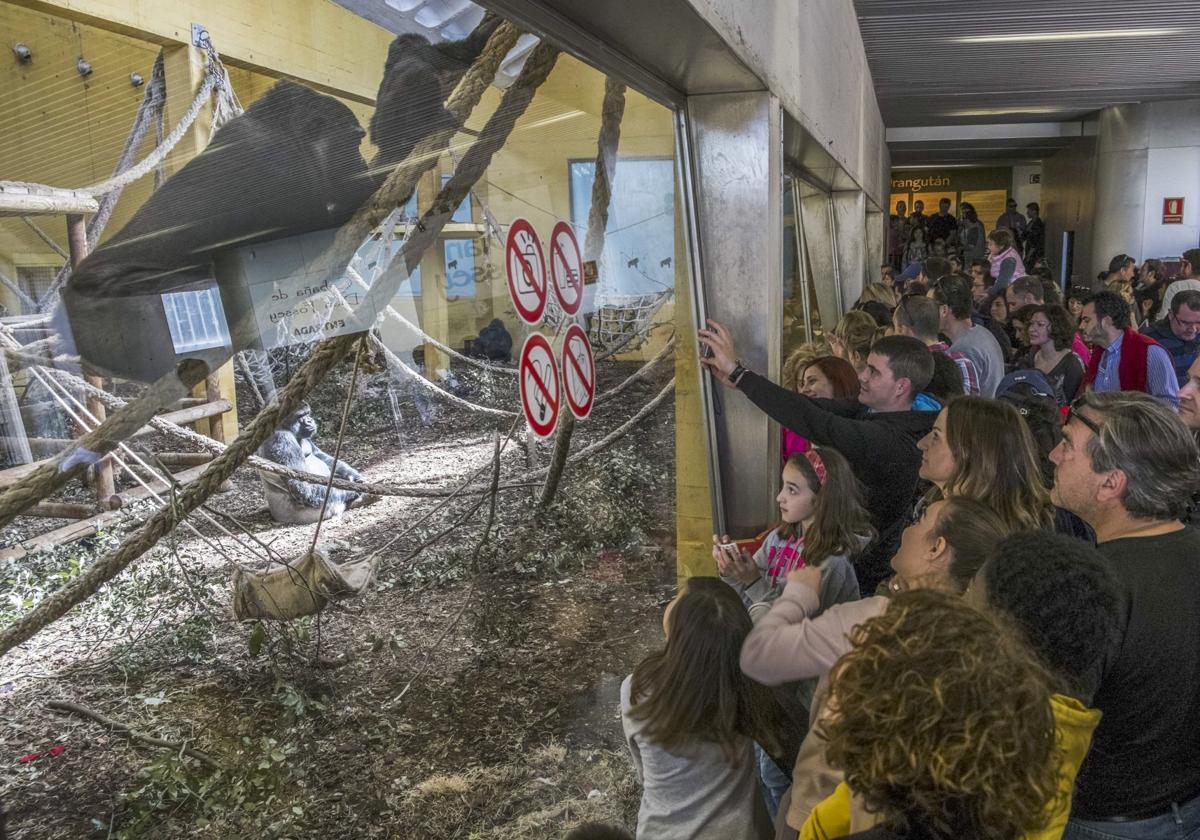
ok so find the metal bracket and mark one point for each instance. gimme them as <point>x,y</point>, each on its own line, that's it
<point>199,35</point>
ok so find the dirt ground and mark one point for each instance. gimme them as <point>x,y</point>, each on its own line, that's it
<point>445,703</point>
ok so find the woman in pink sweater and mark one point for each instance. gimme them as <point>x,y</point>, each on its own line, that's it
<point>942,549</point>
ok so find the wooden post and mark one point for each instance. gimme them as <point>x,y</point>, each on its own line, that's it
<point>183,68</point>
<point>77,245</point>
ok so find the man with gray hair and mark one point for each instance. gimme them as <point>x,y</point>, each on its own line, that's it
<point>1128,466</point>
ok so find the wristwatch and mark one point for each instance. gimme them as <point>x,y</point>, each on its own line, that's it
<point>735,375</point>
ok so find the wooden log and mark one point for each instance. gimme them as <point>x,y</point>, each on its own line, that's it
<point>184,416</point>
<point>157,485</point>
<point>47,444</point>
<point>103,475</point>
<point>184,459</point>
<point>212,390</point>
<point>61,510</point>
<point>21,201</point>
<point>59,536</point>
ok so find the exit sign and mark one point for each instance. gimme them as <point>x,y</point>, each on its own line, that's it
<point>1172,211</point>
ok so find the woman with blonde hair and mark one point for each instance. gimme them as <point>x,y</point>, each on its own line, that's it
<point>853,337</point>
<point>880,293</point>
<point>982,449</point>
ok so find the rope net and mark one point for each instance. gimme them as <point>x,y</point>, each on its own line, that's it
<point>389,273</point>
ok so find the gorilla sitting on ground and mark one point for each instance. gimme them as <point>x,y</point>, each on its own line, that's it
<point>293,502</point>
<point>494,343</point>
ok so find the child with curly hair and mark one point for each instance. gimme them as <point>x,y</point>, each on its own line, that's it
<point>941,722</point>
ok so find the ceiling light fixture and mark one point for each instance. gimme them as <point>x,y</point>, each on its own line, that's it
<point>1084,35</point>
<point>995,112</point>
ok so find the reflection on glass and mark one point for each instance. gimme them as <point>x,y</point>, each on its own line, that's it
<point>460,267</point>
<point>639,245</point>
<point>462,213</point>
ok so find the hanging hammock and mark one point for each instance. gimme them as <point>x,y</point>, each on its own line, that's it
<point>301,587</point>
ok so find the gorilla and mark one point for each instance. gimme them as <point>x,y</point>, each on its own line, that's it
<point>289,165</point>
<point>494,343</point>
<point>291,445</point>
<point>417,79</point>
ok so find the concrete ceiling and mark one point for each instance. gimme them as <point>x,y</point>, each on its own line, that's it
<point>994,65</point>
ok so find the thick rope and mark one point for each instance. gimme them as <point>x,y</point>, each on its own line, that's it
<point>45,237</point>
<point>395,360</point>
<point>18,291</point>
<point>329,352</point>
<point>97,443</point>
<point>638,374</point>
<point>402,180</point>
<point>614,435</point>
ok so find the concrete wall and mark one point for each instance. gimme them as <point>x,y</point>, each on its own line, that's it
<point>810,54</point>
<point>1146,153</point>
<point>1022,190</point>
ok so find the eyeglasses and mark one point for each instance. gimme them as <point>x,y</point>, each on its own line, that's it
<point>1074,413</point>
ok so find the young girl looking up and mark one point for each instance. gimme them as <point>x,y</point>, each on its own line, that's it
<point>691,718</point>
<point>823,525</point>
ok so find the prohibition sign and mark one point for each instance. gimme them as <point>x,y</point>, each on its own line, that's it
<point>566,267</point>
<point>526,269</point>
<point>539,385</point>
<point>579,372</point>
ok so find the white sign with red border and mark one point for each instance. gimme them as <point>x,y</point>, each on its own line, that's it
<point>578,372</point>
<point>566,268</point>
<point>540,392</point>
<point>526,267</point>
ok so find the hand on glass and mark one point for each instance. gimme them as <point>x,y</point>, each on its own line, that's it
<point>723,360</point>
<point>809,576</point>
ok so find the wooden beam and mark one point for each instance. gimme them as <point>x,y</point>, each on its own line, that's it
<point>197,412</point>
<point>61,510</point>
<point>22,201</point>
<point>313,41</point>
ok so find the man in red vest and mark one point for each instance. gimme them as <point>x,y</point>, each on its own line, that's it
<point>1124,360</point>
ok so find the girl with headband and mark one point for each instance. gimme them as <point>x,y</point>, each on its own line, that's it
<point>823,528</point>
<point>823,524</point>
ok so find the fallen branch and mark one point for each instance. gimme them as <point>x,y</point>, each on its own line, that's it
<point>175,746</point>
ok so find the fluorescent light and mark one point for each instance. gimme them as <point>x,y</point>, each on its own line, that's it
<point>993,112</point>
<point>1085,35</point>
<point>566,115</point>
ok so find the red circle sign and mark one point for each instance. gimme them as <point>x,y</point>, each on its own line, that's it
<point>526,268</point>
<point>566,267</point>
<point>538,375</point>
<point>578,372</point>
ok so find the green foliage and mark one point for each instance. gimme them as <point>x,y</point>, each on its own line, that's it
<point>248,795</point>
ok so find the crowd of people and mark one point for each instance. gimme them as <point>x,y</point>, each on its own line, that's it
<point>979,613</point>
<point>912,237</point>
